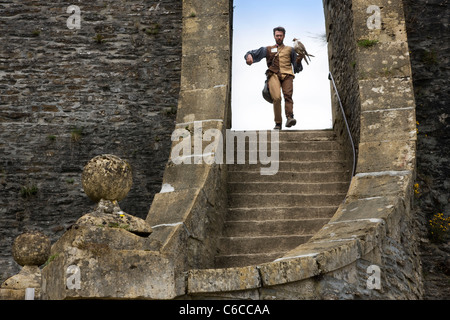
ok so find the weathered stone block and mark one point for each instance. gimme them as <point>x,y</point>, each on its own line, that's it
<point>172,207</point>
<point>232,279</point>
<point>386,93</point>
<point>91,263</point>
<point>329,255</point>
<point>288,270</point>
<point>365,233</point>
<point>209,27</point>
<point>380,184</point>
<point>387,155</point>
<point>391,15</point>
<point>109,214</point>
<point>388,125</point>
<point>198,8</point>
<point>376,209</point>
<point>307,289</point>
<point>384,60</point>
<point>203,70</point>
<point>203,104</point>
<point>11,294</point>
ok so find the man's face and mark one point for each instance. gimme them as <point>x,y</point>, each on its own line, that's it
<point>279,37</point>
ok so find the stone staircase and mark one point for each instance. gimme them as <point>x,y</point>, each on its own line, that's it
<point>269,215</point>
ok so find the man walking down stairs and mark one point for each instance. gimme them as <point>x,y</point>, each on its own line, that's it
<point>269,215</point>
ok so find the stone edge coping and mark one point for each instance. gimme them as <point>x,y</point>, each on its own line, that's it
<point>12,294</point>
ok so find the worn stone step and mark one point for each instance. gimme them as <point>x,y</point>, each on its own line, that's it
<point>286,187</point>
<point>282,199</point>
<point>255,145</point>
<point>262,244</point>
<point>268,215</point>
<point>254,157</point>
<point>295,166</point>
<point>273,213</point>
<point>255,228</point>
<point>290,135</point>
<point>242,260</point>
<point>289,176</point>
<point>307,135</point>
<point>325,145</point>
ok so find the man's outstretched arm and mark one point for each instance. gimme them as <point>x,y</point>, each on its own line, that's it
<point>255,55</point>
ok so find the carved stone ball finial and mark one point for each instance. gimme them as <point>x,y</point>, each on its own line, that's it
<point>31,249</point>
<point>107,177</point>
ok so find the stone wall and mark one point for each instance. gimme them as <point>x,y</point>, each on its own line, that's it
<point>342,65</point>
<point>428,37</point>
<point>67,95</point>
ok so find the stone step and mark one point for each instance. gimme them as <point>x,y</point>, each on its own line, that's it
<point>294,145</point>
<point>307,135</point>
<point>253,157</point>
<point>274,213</point>
<point>289,176</point>
<point>249,200</point>
<point>269,215</point>
<point>262,244</point>
<point>242,260</point>
<point>255,228</point>
<point>290,135</point>
<point>310,145</point>
<point>288,187</point>
<point>294,165</point>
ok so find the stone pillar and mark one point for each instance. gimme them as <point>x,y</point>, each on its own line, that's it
<point>108,253</point>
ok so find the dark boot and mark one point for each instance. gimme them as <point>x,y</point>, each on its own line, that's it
<point>290,121</point>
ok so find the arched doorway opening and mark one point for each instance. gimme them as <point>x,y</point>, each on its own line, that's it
<point>253,23</point>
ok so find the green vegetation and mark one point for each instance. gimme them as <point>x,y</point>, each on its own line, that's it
<point>76,134</point>
<point>438,227</point>
<point>366,43</point>
<point>154,29</point>
<point>50,259</point>
<point>28,191</point>
<point>99,38</point>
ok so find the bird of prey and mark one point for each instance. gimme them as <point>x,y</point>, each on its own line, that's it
<point>301,51</point>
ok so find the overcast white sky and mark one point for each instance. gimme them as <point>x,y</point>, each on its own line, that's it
<point>253,24</point>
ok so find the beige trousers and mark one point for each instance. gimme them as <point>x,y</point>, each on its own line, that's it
<point>278,82</point>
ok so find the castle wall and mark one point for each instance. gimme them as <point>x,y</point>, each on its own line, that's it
<point>428,38</point>
<point>68,94</point>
